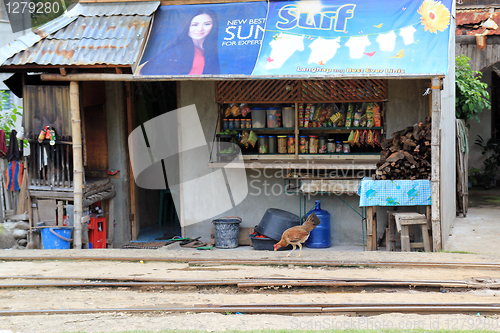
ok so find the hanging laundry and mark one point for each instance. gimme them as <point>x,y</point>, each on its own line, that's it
<point>3,145</point>
<point>387,42</point>
<point>283,46</point>
<point>13,152</point>
<point>407,34</point>
<point>357,46</point>
<point>14,176</point>
<point>323,49</point>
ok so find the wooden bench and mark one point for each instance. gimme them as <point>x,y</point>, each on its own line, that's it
<point>403,221</point>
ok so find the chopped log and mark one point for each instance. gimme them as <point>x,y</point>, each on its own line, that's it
<point>409,158</point>
<point>396,156</point>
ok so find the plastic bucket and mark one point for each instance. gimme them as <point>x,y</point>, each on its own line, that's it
<point>56,238</point>
<point>288,117</point>
<point>275,222</point>
<point>258,117</point>
<point>226,232</point>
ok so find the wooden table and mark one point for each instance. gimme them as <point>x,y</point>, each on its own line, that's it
<point>374,193</point>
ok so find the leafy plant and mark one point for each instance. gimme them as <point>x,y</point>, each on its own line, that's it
<point>8,118</point>
<point>471,94</point>
<point>491,164</point>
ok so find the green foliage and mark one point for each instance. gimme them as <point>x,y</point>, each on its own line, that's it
<point>471,94</point>
<point>8,118</point>
<point>491,164</point>
<point>43,11</point>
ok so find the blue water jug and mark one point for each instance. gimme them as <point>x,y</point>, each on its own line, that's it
<point>320,236</point>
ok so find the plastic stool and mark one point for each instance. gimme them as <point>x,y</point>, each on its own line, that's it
<point>403,221</point>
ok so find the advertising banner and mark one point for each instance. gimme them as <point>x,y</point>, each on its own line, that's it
<point>332,38</point>
<point>207,39</point>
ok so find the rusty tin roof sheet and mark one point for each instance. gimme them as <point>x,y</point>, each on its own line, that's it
<point>85,35</point>
<point>481,21</point>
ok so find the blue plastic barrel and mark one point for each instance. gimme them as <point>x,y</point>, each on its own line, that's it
<point>56,238</point>
<point>320,236</point>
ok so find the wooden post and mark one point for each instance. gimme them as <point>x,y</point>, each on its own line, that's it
<point>130,127</point>
<point>371,228</point>
<point>76,132</point>
<point>435,163</point>
<point>296,130</point>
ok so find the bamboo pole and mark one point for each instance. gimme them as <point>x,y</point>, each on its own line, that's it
<point>435,162</point>
<point>76,131</point>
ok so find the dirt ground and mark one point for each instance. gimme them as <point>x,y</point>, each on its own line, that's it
<point>137,265</point>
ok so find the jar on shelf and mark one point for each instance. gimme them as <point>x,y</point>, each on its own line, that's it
<point>313,144</point>
<point>236,123</point>
<point>271,144</point>
<point>248,123</point>
<point>273,117</point>
<point>346,147</point>
<point>231,123</point>
<point>322,145</point>
<point>243,123</point>
<point>225,124</point>
<point>282,149</point>
<point>331,146</point>
<point>303,144</point>
<point>291,144</point>
<point>262,144</point>
<point>338,146</point>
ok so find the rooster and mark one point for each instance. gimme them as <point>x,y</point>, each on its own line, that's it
<point>298,235</point>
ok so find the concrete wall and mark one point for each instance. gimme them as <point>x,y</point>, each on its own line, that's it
<point>448,144</point>
<point>406,106</point>
<point>118,158</point>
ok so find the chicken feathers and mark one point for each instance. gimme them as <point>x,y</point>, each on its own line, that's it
<point>297,235</point>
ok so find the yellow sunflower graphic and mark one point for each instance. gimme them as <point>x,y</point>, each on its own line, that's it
<point>435,16</point>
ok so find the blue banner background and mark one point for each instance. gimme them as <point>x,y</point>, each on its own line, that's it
<point>240,32</point>
<point>427,54</point>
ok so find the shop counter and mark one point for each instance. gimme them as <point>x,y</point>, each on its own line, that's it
<point>373,193</point>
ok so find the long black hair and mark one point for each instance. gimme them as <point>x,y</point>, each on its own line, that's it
<point>177,57</point>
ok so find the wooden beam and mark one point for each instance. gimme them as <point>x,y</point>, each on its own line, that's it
<point>76,133</point>
<point>132,186</point>
<point>371,228</point>
<point>63,72</point>
<point>435,161</point>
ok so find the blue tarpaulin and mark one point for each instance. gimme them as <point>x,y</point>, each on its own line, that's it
<point>298,38</point>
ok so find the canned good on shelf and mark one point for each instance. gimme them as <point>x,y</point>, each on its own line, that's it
<point>347,147</point>
<point>322,145</point>
<point>271,144</point>
<point>225,124</point>
<point>313,144</point>
<point>338,147</point>
<point>231,123</point>
<point>282,148</point>
<point>262,144</point>
<point>291,144</point>
<point>331,146</point>
<point>236,123</point>
<point>303,145</point>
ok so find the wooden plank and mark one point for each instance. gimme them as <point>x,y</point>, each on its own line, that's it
<point>60,213</point>
<point>371,228</point>
<point>130,126</point>
<point>436,160</point>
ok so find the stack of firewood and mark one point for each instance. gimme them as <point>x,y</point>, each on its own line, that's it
<point>407,155</point>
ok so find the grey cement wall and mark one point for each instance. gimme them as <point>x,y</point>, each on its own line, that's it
<point>406,106</point>
<point>448,145</point>
<point>118,158</point>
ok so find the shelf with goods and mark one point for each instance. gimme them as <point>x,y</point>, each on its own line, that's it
<point>239,117</point>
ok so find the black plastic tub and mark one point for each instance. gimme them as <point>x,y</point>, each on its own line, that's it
<point>260,243</point>
<point>275,222</point>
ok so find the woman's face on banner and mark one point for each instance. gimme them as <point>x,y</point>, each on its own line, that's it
<point>201,26</point>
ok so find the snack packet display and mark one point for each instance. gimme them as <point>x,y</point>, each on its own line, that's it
<point>301,115</point>
<point>227,112</point>
<point>307,115</point>
<point>235,110</point>
<point>377,117</point>
<point>350,115</point>
<point>245,109</point>
<point>351,138</point>
<point>369,115</point>
<point>244,139</point>
<point>252,138</point>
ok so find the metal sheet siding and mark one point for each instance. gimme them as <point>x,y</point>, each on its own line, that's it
<point>100,33</point>
<point>99,27</point>
<point>46,105</point>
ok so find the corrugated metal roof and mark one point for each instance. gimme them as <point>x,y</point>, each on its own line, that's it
<point>98,33</point>
<point>99,27</point>
<point>478,22</point>
<point>143,8</point>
